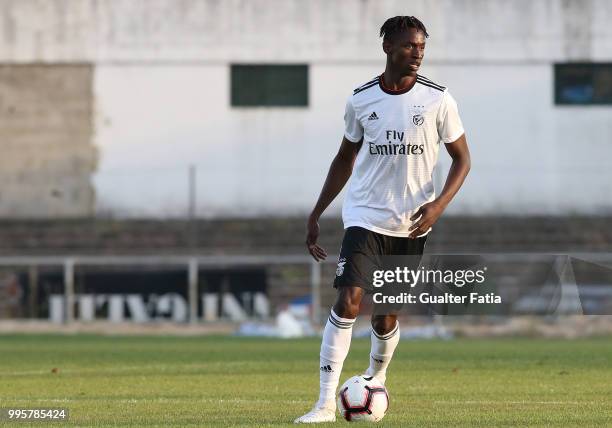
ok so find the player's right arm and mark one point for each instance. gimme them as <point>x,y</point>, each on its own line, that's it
<point>339,173</point>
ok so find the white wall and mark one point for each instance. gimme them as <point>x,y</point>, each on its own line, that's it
<point>156,121</point>
<point>162,96</point>
<point>528,155</point>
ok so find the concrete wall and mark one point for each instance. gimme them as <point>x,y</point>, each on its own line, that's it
<point>296,30</point>
<point>161,97</point>
<point>46,151</point>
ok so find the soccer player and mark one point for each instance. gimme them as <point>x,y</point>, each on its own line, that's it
<point>394,124</point>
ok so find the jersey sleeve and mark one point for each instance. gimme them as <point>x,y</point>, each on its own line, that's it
<point>449,123</point>
<point>353,130</point>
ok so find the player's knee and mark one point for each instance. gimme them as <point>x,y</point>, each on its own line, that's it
<point>383,324</point>
<point>348,301</point>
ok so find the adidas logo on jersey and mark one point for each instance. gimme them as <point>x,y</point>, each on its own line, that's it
<point>373,116</point>
<point>326,369</point>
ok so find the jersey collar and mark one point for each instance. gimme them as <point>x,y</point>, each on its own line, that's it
<point>391,91</point>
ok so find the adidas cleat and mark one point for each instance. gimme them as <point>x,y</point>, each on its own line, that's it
<point>318,415</point>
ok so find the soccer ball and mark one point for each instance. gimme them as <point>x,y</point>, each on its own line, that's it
<point>363,398</point>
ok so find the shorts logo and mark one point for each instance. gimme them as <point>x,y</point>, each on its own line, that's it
<point>418,119</point>
<point>340,269</point>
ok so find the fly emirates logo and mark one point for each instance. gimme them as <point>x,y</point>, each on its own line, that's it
<point>396,145</point>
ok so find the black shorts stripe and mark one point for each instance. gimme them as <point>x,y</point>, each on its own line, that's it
<point>363,251</point>
<point>439,88</point>
<point>363,88</point>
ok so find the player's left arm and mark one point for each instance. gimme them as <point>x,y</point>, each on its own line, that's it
<point>430,212</point>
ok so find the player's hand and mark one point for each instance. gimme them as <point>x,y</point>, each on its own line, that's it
<point>429,214</point>
<point>312,235</point>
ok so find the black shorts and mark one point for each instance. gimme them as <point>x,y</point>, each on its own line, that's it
<point>363,252</point>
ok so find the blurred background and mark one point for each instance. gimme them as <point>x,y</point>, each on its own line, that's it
<point>158,159</point>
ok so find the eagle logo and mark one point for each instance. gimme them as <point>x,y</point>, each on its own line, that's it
<point>340,269</point>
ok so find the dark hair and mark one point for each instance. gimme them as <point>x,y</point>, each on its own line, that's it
<point>398,24</point>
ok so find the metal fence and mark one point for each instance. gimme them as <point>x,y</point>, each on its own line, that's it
<point>192,265</point>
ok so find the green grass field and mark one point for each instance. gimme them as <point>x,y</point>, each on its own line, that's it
<point>221,381</point>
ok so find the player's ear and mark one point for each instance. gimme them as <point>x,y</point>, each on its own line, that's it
<point>387,45</point>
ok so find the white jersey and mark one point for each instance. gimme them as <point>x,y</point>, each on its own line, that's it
<point>401,130</point>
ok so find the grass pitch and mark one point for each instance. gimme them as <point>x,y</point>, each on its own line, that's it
<point>221,381</point>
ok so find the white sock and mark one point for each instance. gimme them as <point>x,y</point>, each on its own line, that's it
<point>334,349</point>
<point>382,352</point>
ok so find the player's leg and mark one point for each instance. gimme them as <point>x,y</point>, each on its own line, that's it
<point>337,341</point>
<point>384,339</point>
<point>385,333</point>
<point>353,278</point>
<point>334,349</point>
